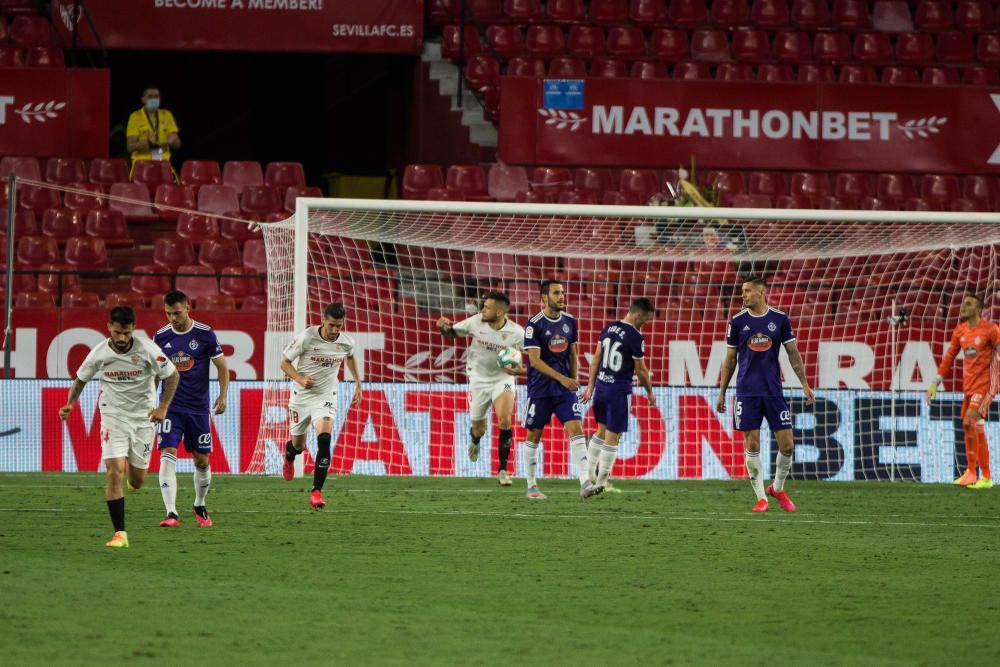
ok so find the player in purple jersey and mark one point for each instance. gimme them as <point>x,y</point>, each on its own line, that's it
<point>753,338</point>
<point>191,346</point>
<point>620,352</point>
<point>550,341</point>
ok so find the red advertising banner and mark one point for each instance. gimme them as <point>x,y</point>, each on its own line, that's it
<point>54,112</point>
<point>761,125</point>
<point>377,26</point>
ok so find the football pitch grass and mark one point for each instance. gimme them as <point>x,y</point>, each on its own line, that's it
<point>462,572</point>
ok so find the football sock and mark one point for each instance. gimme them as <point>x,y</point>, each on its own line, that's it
<point>593,456</point>
<point>202,482</point>
<point>530,452</point>
<point>983,450</point>
<point>290,452</point>
<point>756,474</point>
<point>475,438</point>
<point>608,455</point>
<point>322,461</point>
<point>971,449</point>
<point>506,437</point>
<point>168,481</point>
<point>116,508</point>
<point>578,446</point>
<point>782,465</point>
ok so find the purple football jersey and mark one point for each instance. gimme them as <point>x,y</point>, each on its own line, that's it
<point>758,340</point>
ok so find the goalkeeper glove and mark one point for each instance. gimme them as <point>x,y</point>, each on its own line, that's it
<point>932,390</point>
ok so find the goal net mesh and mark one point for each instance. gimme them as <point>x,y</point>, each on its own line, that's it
<point>872,305</point>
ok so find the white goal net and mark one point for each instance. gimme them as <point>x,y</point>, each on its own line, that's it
<point>873,298</point>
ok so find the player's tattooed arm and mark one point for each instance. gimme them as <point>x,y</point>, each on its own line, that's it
<point>358,390</point>
<point>444,326</point>
<point>223,368</point>
<point>74,393</point>
<point>728,368</point>
<point>595,363</point>
<point>800,370</point>
<point>159,413</point>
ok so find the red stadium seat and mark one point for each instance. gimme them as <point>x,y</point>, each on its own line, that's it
<point>567,67</point>
<point>84,197</point>
<point>196,280</point>
<point>196,228</point>
<point>219,253</point>
<point>608,68</point>
<point>37,198</point>
<point>730,13</point>
<point>36,250</point>
<point>218,199</point>
<point>419,178</point>
<point>566,11</point>
<point>816,73</point>
<point>135,300</point>
<point>939,189</point>
<point>933,16</point>
<point>792,46</point>
<point>240,282</point>
<point>456,47</point>
<point>486,11</point>
<point>152,173</point>
<point>443,194</point>
<point>689,70</point>
<point>176,196</point>
<point>526,66</point>
<point>891,16</point>
<point>108,225</point>
<point>585,41</point>
<point>768,183</point>
<point>915,48</point>
<point>87,253</point>
<point>296,191</point>
<point>241,173</point>
<point>44,56</point>
<point>974,15</point>
<point>551,178</point>
<point>710,46</point>
<point>254,304</point>
<point>11,56</point>
<point>505,40</point>
<point>751,46</point>
<point>872,48</point>
<point>136,205</point>
<point>669,45</point>
<point>169,253</point>
<point>593,179</point>
<point>775,72</point>
<point>894,187</point>
<point>648,13</point>
<point>734,72</point>
<point>850,15</point>
<point>810,14</point>
<point>29,31</point>
<point>980,76</point>
<point>145,282</point>
<point>254,256</point>
<point>921,204</point>
<point>578,197</point>
<point>810,185</point>
<point>641,182</point>
<point>769,14</point>
<point>65,170</point>
<point>875,204</point>
<point>852,185</point>
<point>963,205</point>
<point>62,223</point>
<point>941,76</point>
<point>956,48</point>
<point>259,201</point>
<point>646,69</point>
<point>34,300</point>
<point>792,201</point>
<point>216,302</point>
<point>626,42</point>
<point>505,181</point>
<point>25,224</point>
<point>988,49</point>
<point>752,201</point>
<point>237,230</point>
<point>900,76</point>
<point>467,179</point>
<point>200,172</point>
<point>24,167</point>
<point>687,12</point>
<point>58,278</point>
<point>832,47</point>
<point>105,171</point>
<point>609,12</point>
<point>523,11</point>
<point>545,41</point>
<point>980,188</point>
<point>858,74</point>
<point>282,175</point>
<point>481,72</point>
<point>727,184</point>
<point>90,300</point>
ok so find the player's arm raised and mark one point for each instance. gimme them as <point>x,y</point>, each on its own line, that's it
<point>159,413</point>
<point>358,390</point>
<point>289,370</point>
<point>642,372</point>
<point>595,364</point>
<point>800,370</point>
<point>223,368</point>
<point>728,368</point>
<point>74,393</point>
<point>535,357</point>
<point>444,326</point>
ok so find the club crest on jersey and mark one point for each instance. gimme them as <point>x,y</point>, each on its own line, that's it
<point>565,328</point>
<point>558,344</point>
<point>759,342</point>
<point>772,327</point>
<point>135,358</point>
<point>193,344</point>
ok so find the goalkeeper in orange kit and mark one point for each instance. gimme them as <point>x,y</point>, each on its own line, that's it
<point>979,343</point>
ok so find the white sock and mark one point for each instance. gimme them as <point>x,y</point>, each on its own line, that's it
<point>608,455</point>
<point>530,453</point>
<point>593,455</point>
<point>578,447</point>
<point>202,480</point>
<point>782,465</point>
<point>168,481</point>
<point>756,474</point>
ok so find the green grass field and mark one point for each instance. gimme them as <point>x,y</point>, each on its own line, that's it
<point>454,571</point>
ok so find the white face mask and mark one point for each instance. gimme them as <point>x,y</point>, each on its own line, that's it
<point>153,104</point>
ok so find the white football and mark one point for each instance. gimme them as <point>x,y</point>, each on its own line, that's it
<point>509,358</point>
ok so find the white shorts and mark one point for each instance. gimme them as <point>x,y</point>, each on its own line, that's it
<point>482,394</point>
<point>300,415</point>
<point>122,438</point>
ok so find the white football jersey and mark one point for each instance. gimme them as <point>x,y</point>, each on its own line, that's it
<point>319,359</point>
<point>481,361</point>
<point>127,387</point>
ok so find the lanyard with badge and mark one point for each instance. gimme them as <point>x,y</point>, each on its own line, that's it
<point>157,150</point>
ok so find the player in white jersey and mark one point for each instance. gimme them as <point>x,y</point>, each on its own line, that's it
<point>128,367</point>
<point>489,383</point>
<point>319,351</point>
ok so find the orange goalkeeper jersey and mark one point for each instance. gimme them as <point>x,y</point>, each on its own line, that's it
<point>979,346</point>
